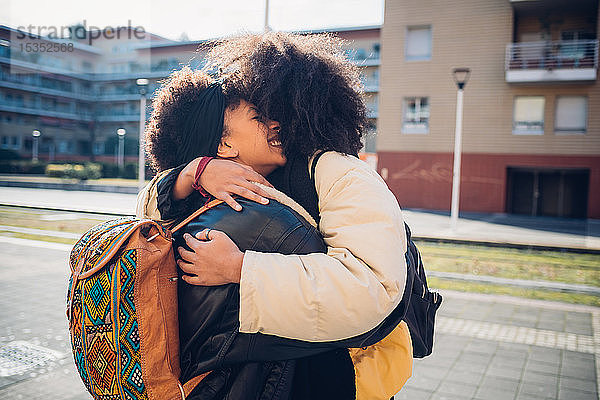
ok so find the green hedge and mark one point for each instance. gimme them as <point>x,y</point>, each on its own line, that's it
<point>74,171</point>
<point>22,167</point>
<point>6,154</point>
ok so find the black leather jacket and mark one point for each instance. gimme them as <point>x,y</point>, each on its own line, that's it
<point>261,366</point>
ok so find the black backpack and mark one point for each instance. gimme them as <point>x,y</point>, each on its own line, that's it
<point>422,303</point>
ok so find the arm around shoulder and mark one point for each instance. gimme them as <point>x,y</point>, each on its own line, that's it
<point>349,290</point>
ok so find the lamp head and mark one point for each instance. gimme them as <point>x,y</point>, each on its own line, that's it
<point>36,133</point>
<point>461,76</point>
<point>142,85</point>
<point>121,132</point>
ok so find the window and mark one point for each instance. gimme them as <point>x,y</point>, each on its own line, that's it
<point>10,142</point>
<point>418,43</point>
<point>376,49</point>
<point>415,115</point>
<point>571,114</point>
<point>528,117</point>
<point>98,148</point>
<point>65,146</point>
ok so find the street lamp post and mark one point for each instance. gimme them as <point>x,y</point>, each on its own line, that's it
<point>121,151</point>
<point>143,85</point>
<point>267,27</point>
<point>34,150</point>
<point>461,76</point>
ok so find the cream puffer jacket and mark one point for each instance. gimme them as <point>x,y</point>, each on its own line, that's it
<point>353,287</point>
<point>337,295</point>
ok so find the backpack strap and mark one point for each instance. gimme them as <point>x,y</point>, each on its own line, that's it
<point>313,166</point>
<point>199,211</point>
<point>189,386</point>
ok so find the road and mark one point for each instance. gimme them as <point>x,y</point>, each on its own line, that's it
<point>486,348</point>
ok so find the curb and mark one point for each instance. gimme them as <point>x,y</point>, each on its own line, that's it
<point>71,186</point>
<point>507,245</point>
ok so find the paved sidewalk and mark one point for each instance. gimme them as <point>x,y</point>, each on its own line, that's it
<point>498,228</point>
<point>486,347</point>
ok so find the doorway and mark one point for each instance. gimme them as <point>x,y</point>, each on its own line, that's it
<point>547,192</point>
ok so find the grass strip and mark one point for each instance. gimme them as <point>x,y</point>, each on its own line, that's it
<point>437,283</point>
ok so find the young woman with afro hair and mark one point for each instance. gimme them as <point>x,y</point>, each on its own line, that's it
<point>307,95</point>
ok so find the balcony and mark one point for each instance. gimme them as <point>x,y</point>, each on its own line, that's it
<point>36,109</point>
<point>560,61</point>
<point>372,110</point>
<point>370,84</point>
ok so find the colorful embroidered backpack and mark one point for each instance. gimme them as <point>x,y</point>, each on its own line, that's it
<point>122,311</point>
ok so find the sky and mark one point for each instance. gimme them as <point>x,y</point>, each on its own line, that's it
<point>198,19</point>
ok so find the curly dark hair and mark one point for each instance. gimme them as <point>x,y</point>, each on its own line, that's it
<point>305,82</point>
<point>170,107</point>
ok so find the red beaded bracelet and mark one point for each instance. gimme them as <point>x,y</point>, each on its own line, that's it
<point>199,169</point>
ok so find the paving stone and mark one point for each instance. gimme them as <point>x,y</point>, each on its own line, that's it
<point>553,315</point>
<point>443,396</point>
<point>475,358</point>
<point>481,346</point>
<point>583,385</point>
<point>538,389</point>
<point>412,394</point>
<point>558,326</point>
<point>467,366</point>
<point>442,361</point>
<point>489,393</point>
<point>543,354</point>
<point>467,377</point>
<point>6,381</point>
<point>542,367</point>
<point>527,396</point>
<point>455,389</point>
<point>533,377</point>
<point>576,356</point>
<point>579,329</point>
<point>502,372</point>
<point>571,394</point>
<point>581,373</point>
<point>496,382</point>
<point>420,381</point>
<point>509,362</point>
<point>578,364</point>
<point>579,317</point>
<point>516,348</point>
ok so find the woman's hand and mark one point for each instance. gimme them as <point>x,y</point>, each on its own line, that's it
<point>214,260</point>
<point>225,178</point>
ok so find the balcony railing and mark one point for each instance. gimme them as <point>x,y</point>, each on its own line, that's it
<point>371,84</point>
<point>573,60</point>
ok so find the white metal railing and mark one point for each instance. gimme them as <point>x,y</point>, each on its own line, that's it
<point>565,54</point>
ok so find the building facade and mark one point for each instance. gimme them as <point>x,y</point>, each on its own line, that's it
<point>78,97</point>
<point>531,130</point>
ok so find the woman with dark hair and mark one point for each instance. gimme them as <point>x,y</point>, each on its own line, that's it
<point>313,297</point>
<point>305,83</point>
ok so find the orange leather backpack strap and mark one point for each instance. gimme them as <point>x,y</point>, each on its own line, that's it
<point>190,385</point>
<point>199,211</point>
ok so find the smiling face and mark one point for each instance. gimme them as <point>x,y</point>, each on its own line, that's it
<point>251,139</point>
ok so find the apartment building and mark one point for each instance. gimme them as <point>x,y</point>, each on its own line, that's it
<point>531,133</point>
<point>79,97</point>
